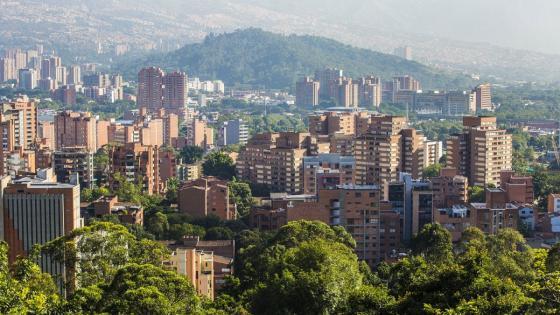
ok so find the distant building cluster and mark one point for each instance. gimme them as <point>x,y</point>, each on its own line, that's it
<point>31,69</point>
<point>330,85</point>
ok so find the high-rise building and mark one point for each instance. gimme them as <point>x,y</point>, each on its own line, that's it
<point>481,151</point>
<point>66,94</point>
<point>372,223</point>
<point>47,84</point>
<point>345,92</point>
<point>27,79</point>
<point>150,88</point>
<point>75,129</point>
<point>370,91</point>
<point>75,75</point>
<point>46,69</point>
<point>175,93</point>
<point>339,122</point>
<point>54,63</point>
<point>460,103</point>
<point>413,201</point>
<point>326,78</point>
<point>170,128</point>
<point>7,69</point>
<point>199,134</point>
<point>403,52</point>
<point>136,163</point>
<point>71,161</point>
<point>405,82</point>
<point>449,189</point>
<point>433,151</point>
<point>275,160</point>
<point>206,196</point>
<point>97,79</point>
<point>18,121</point>
<point>20,59</point>
<point>61,75</point>
<point>307,92</point>
<point>46,134</point>
<point>483,96</point>
<point>233,132</point>
<point>412,152</point>
<point>379,152</point>
<point>36,212</point>
<point>326,171</point>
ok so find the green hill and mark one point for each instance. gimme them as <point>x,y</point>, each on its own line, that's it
<point>259,58</point>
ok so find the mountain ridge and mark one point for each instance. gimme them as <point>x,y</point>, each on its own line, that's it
<point>259,58</point>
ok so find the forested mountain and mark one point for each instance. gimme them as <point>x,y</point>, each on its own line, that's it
<point>260,58</point>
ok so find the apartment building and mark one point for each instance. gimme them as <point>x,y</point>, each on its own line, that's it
<point>326,171</point>
<point>199,134</point>
<point>494,214</point>
<point>175,93</point>
<point>325,78</point>
<point>71,161</point>
<point>369,91</point>
<point>197,266</point>
<point>233,132</point>
<point>519,189</point>
<point>483,94</point>
<point>75,129</point>
<point>36,212</point>
<point>307,92</point>
<point>339,122</point>
<point>481,151</point>
<point>150,88</point>
<point>276,160</point>
<point>449,189</point>
<point>412,199</point>
<point>18,124</point>
<point>138,164</point>
<point>433,151</point>
<point>206,196</point>
<point>387,149</point>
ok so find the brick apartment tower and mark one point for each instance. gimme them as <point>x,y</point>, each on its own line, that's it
<point>150,88</point>
<point>73,129</point>
<point>481,151</point>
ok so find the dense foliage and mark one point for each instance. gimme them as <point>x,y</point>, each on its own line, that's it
<point>259,58</point>
<point>303,268</point>
<point>219,164</point>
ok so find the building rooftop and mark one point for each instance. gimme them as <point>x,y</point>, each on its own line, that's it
<point>357,187</point>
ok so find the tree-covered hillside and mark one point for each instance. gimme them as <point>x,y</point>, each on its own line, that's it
<point>259,58</point>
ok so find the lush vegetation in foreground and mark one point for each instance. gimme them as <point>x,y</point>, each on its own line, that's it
<point>304,268</point>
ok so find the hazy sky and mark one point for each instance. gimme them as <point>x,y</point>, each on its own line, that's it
<point>525,24</point>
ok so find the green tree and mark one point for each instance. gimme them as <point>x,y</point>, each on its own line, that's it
<point>138,289</point>
<point>147,289</point>
<point>219,164</point>
<point>432,171</point>
<point>157,224</point>
<point>476,194</point>
<point>434,243</point>
<point>240,194</point>
<point>99,250</point>
<point>192,154</point>
<point>218,233</point>
<point>24,289</point>
<point>172,189</point>
<point>178,231</point>
<point>314,277</point>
